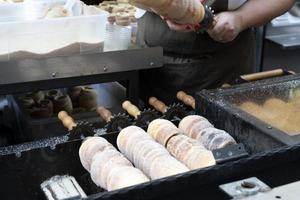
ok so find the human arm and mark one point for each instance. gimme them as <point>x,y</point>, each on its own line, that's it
<point>252,13</point>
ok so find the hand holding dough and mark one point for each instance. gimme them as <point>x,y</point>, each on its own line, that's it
<point>179,11</point>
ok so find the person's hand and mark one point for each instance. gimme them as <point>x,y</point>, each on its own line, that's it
<point>228,26</point>
<point>181,27</point>
<point>178,27</point>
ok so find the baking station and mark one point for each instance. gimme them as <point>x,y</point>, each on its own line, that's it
<point>149,99</point>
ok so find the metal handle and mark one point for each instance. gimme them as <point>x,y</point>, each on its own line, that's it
<point>263,75</point>
<point>186,99</point>
<point>66,120</point>
<point>131,109</point>
<point>158,105</point>
<point>104,113</point>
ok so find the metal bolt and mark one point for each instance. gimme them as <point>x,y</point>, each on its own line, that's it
<point>18,154</point>
<point>152,64</point>
<point>105,68</point>
<point>248,185</point>
<point>54,74</point>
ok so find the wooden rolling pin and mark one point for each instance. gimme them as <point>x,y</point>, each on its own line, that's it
<point>263,75</point>
<point>113,122</point>
<point>142,118</point>
<point>131,109</point>
<point>186,99</point>
<point>67,120</point>
<point>179,11</point>
<point>158,105</point>
<point>174,111</point>
<point>105,114</point>
<point>260,76</point>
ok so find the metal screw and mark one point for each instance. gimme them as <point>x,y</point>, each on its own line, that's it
<point>152,64</point>
<point>105,68</point>
<point>54,74</point>
<point>248,185</point>
<point>18,154</point>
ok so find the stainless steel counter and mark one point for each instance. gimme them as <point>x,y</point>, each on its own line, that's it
<point>282,42</point>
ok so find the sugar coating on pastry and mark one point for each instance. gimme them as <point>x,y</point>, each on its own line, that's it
<point>148,156</point>
<point>162,130</point>
<point>198,126</point>
<point>132,142</point>
<point>166,165</point>
<point>138,149</point>
<point>149,153</point>
<point>191,152</point>
<point>127,134</point>
<point>213,138</point>
<point>187,123</point>
<point>89,148</point>
<point>179,146</point>
<point>124,176</point>
<point>144,153</point>
<point>103,162</point>
<point>198,158</point>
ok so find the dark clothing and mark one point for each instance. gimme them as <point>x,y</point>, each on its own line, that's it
<point>192,61</point>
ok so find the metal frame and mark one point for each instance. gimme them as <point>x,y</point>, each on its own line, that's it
<point>65,71</point>
<point>57,155</point>
<point>216,105</point>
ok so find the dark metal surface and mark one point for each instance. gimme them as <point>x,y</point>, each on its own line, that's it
<point>41,74</point>
<point>230,153</point>
<point>83,129</point>
<point>146,116</point>
<point>281,47</point>
<point>286,41</point>
<point>27,165</point>
<point>175,110</point>
<point>274,168</point>
<point>275,56</point>
<point>117,122</point>
<point>30,129</point>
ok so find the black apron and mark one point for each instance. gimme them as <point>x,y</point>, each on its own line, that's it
<point>191,61</point>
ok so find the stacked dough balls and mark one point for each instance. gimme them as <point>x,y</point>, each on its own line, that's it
<point>189,151</point>
<point>121,12</point>
<point>109,168</point>
<point>146,154</point>
<point>201,129</point>
<point>179,11</point>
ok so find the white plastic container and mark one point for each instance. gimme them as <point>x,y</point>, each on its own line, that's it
<point>36,9</point>
<point>117,37</point>
<point>11,12</point>
<point>52,37</point>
